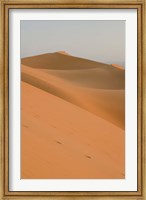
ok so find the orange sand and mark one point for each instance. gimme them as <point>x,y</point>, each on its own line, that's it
<point>72,118</point>
<point>118,66</point>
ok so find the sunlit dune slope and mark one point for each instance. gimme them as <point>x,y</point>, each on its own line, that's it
<point>61,140</point>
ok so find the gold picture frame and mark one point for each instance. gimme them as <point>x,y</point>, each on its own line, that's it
<point>5,5</point>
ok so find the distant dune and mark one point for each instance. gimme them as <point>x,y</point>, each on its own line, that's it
<point>73,118</point>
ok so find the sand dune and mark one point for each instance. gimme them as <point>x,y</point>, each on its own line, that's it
<point>108,104</point>
<point>72,118</point>
<point>60,61</point>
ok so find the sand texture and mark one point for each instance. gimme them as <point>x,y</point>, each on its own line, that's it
<point>72,118</point>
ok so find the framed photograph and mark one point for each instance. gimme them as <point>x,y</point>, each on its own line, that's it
<point>72,82</point>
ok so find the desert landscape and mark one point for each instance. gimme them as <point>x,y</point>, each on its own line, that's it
<point>72,118</point>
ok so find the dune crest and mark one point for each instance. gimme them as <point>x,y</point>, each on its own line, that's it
<point>64,53</point>
<point>73,118</point>
<point>118,66</point>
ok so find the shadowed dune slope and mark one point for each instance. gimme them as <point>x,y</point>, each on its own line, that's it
<point>61,61</point>
<point>108,104</point>
<point>100,78</point>
<point>61,140</point>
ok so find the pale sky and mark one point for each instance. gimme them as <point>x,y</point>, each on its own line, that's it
<point>102,41</point>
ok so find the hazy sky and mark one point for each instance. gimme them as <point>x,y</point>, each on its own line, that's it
<point>102,41</point>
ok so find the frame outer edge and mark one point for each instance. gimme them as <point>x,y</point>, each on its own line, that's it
<point>3,111</point>
<point>144,100</point>
<point>1,101</point>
